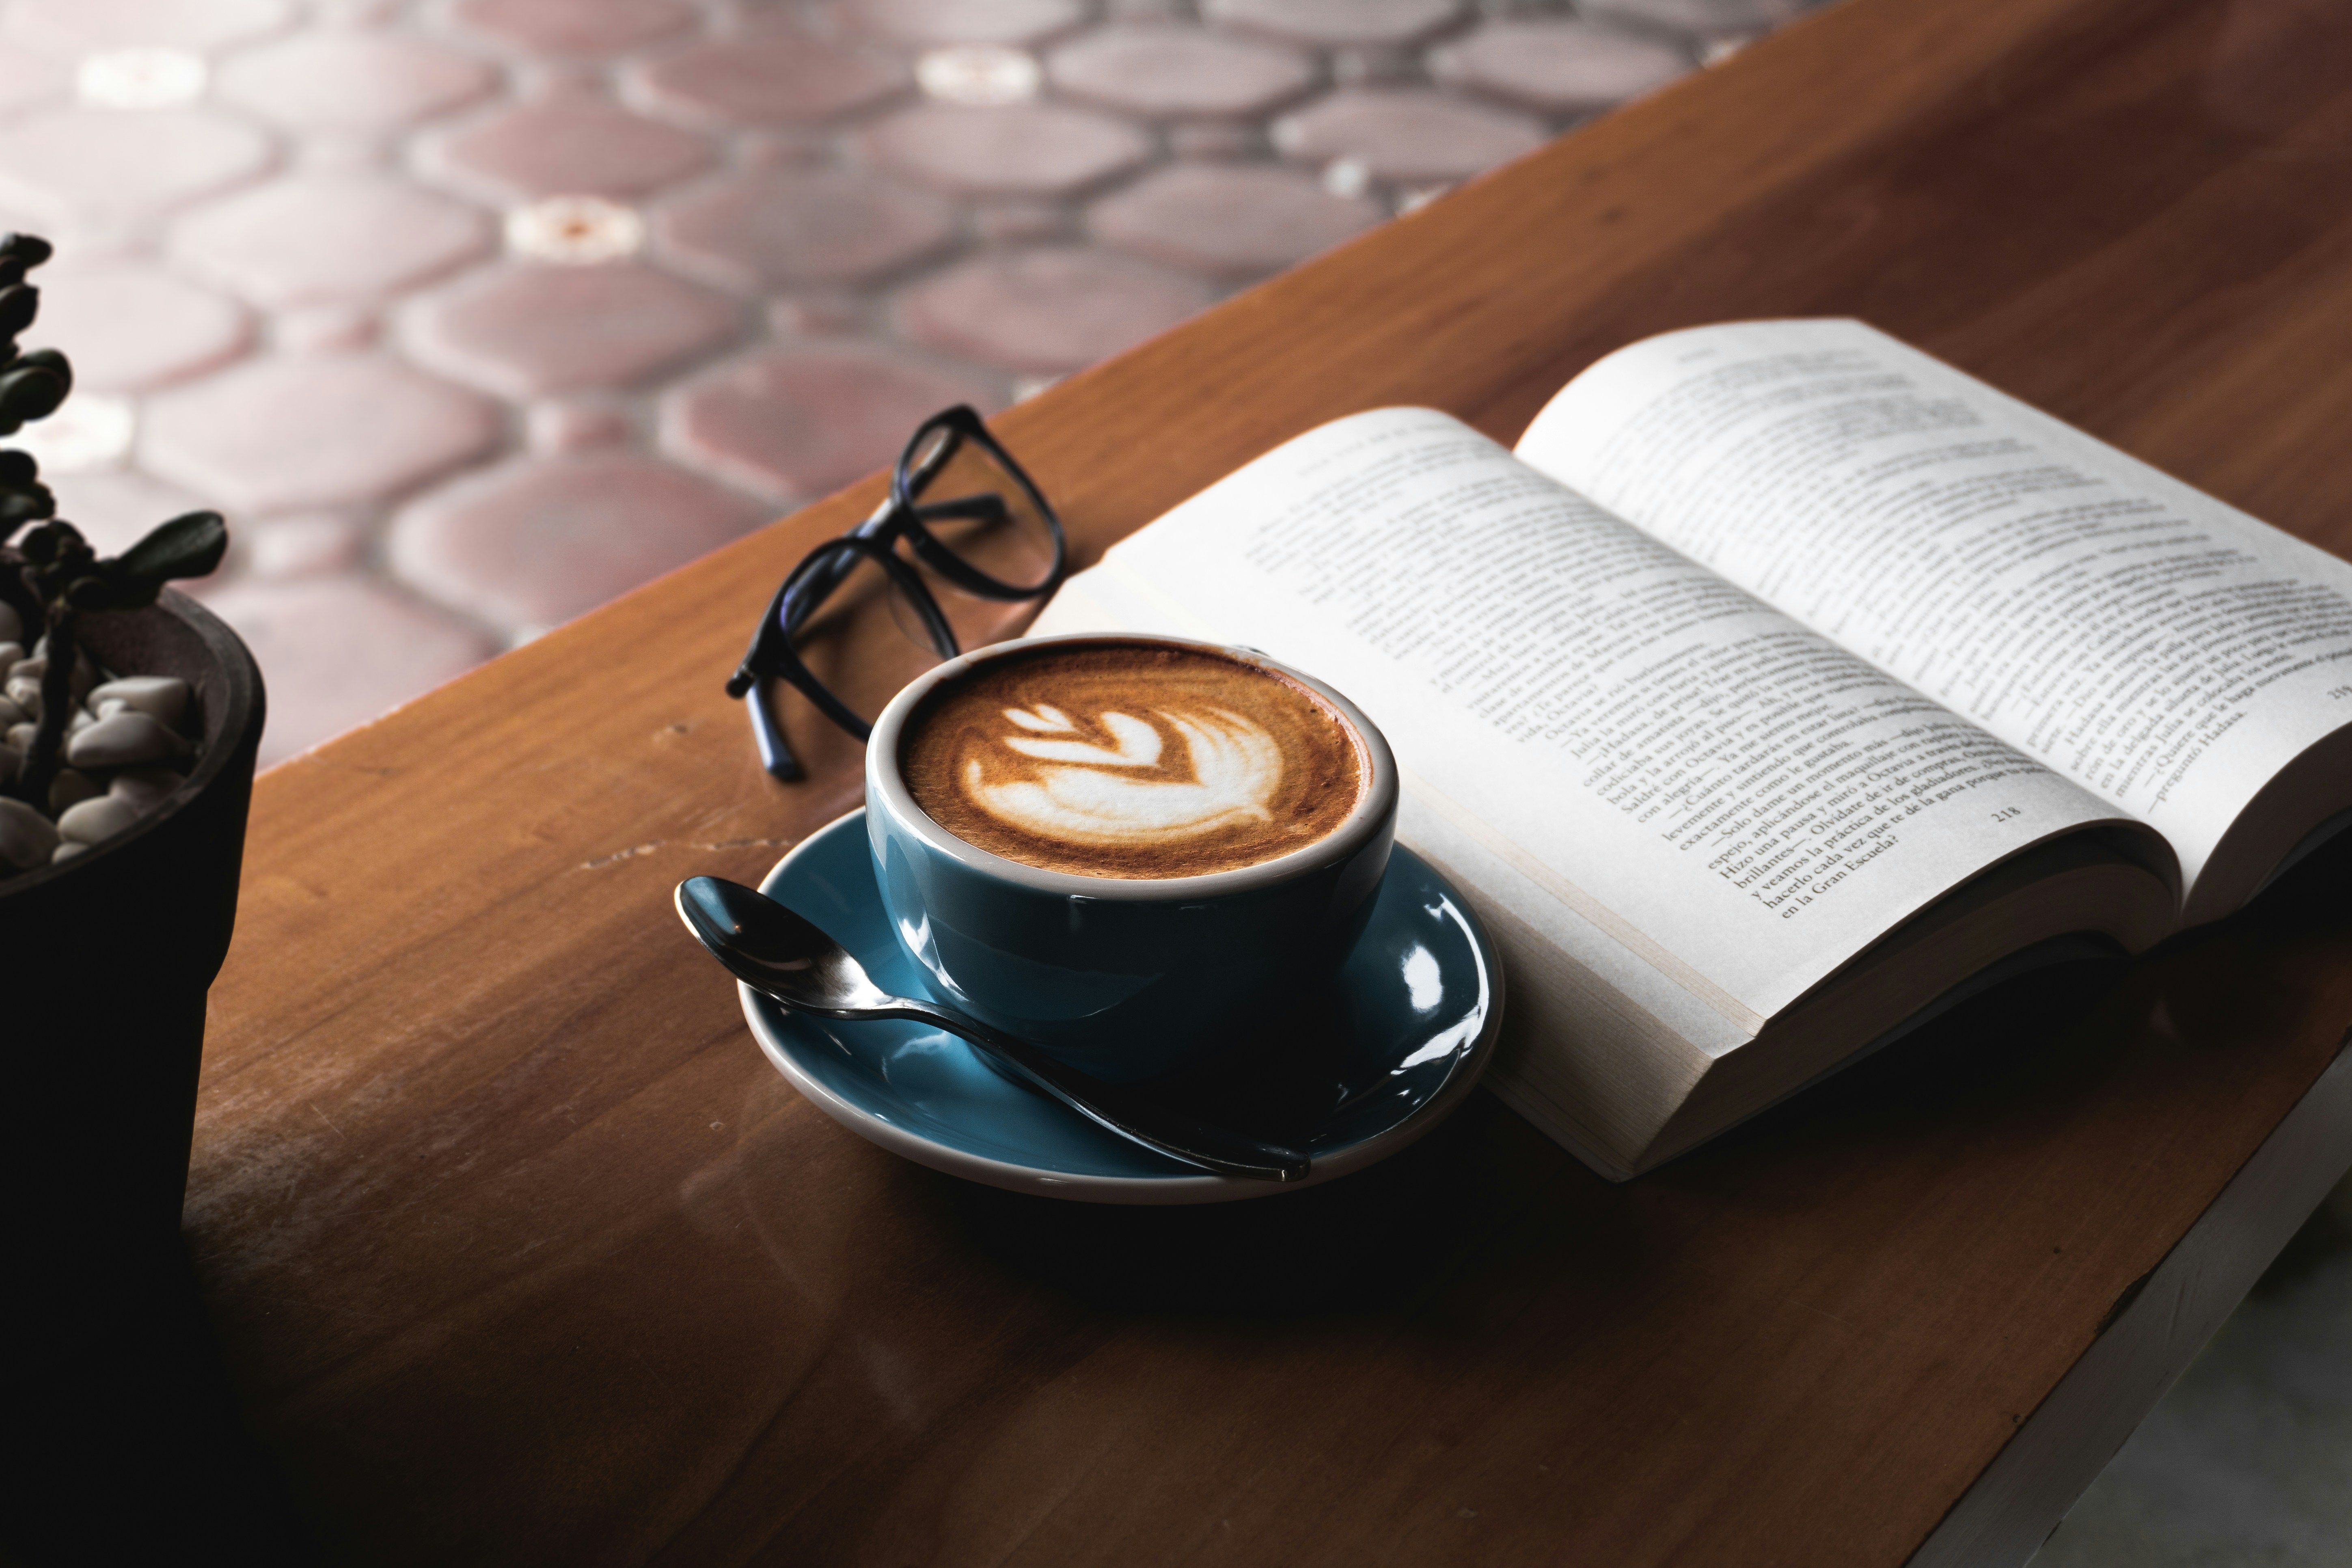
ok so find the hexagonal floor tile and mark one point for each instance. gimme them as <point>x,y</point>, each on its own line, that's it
<point>524,332</point>
<point>1336,21</point>
<point>1231,220</point>
<point>80,27</point>
<point>1407,133</point>
<point>1047,310</point>
<point>336,652</point>
<point>763,231</point>
<point>970,21</point>
<point>569,145</point>
<point>106,166</point>
<point>315,238</point>
<point>533,544</point>
<point>805,422</point>
<point>776,79</point>
<point>352,81</point>
<point>1712,17</point>
<point>1160,69</point>
<point>129,327</point>
<point>1030,149</point>
<point>1561,68</point>
<point>577,27</point>
<point>312,431</point>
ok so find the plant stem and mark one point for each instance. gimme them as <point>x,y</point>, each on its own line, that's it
<point>56,708</point>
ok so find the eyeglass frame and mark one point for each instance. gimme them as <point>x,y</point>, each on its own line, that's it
<point>804,590</point>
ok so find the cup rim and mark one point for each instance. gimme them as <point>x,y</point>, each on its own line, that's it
<point>885,786</point>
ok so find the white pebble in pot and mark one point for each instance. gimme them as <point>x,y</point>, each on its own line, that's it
<point>163,697</point>
<point>21,735</point>
<point>97,819</point>
<point>124,741</point>
<point>26,837</point>
<point>142,787</point>
<point>65,850</point>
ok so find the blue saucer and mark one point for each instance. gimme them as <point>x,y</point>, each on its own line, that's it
<point>1417,1008</point>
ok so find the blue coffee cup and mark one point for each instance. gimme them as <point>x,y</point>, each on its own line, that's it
<point>1126,979</point>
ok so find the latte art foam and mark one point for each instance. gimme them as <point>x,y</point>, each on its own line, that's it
<point>1131,760</point>
<point>1119,794</point>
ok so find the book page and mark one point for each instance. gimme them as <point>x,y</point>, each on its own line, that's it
<point>2163,649</point>
<point>1720,790</point>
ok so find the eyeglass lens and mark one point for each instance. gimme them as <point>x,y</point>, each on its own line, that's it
<point>972,504</point>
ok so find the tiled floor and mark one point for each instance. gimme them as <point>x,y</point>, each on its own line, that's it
<point>471,314</point>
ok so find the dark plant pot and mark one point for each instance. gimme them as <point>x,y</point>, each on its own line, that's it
<point>108,958</point>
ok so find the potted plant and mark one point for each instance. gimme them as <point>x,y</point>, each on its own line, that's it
<point>132,715</point>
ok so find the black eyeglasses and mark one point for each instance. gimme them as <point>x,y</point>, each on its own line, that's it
<point>990,533</point>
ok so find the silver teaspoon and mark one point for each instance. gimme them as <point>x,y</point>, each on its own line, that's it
<point>781,955</point>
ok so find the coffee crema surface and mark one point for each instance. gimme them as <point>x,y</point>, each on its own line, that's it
<point>1131,760</point>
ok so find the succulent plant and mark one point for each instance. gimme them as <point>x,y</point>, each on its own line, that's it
<point>64,575</point>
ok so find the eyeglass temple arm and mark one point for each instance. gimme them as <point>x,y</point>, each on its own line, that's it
<point>767,728</point>
<point>748,670</point>
<point>768,733</point>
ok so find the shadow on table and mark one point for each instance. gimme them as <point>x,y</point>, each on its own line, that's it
<point>1365,1242</point>
<point>1379,1241</point>
<point>135,1450</point>
<point>1382,1240</point>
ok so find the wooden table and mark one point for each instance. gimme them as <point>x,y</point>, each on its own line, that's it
<point>518,1252</point>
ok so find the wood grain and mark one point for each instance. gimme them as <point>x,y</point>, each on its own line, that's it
<point>520,1253</point>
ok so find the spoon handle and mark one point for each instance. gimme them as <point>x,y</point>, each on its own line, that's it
<point>1131,1115</point>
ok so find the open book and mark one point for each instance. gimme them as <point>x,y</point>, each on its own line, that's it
<point>1783,683</point>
